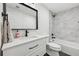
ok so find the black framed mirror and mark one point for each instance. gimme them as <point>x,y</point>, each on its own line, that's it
<point>22,16</point>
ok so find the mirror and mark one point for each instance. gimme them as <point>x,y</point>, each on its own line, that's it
<point>22,16</point>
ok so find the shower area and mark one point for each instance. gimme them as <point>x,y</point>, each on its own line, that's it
<point>65,27</point>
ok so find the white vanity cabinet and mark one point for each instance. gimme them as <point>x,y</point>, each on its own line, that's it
<point>35,47</point>
<point>42,49</point>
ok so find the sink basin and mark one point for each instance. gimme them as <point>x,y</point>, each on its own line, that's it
<point>33,37</point>
<point>25,38</point>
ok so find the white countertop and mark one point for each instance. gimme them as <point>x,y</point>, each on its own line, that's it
<point>22,40</point>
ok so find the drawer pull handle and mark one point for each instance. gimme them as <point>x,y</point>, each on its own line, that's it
<point>33,46</point>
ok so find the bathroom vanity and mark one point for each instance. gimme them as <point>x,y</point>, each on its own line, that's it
<point>26,46</point>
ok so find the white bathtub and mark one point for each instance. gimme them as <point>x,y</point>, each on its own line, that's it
<point>68,47</point>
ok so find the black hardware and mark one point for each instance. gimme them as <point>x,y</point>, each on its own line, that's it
<point>33,46</point>
<point>7,28</point>
<point>17,30</point>
<point>4,18</point>
<point>26,33</point>
<point>53,36</point>
<point>27,6</point>
<point>37,19</point>
<point>4,14</point>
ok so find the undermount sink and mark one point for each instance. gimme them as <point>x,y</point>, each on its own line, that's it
<point>25,38</point>
<point>33,37</point>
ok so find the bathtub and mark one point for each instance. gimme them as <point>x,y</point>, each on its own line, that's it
<point>68,47</point>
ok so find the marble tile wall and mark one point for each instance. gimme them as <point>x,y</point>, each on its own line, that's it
<point>66,25</point>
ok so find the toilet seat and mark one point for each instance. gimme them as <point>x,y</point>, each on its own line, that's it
<point>53,46</point>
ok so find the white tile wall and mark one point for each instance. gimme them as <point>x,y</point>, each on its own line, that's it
<point>67,25</point>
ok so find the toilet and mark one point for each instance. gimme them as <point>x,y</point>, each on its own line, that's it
<point>53,49</point>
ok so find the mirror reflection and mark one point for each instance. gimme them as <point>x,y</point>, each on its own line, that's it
<point>18,13</point>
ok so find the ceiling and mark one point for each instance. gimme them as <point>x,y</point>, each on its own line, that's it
<point>58,7</point>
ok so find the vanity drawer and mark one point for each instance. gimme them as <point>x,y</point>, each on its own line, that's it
<point>24,49</point>
<point>33,46</point>
<point>39,52</point>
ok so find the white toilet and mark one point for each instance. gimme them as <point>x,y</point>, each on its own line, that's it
<point>53,49</point>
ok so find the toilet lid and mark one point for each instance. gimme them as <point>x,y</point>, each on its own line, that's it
<point>53,45</point>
